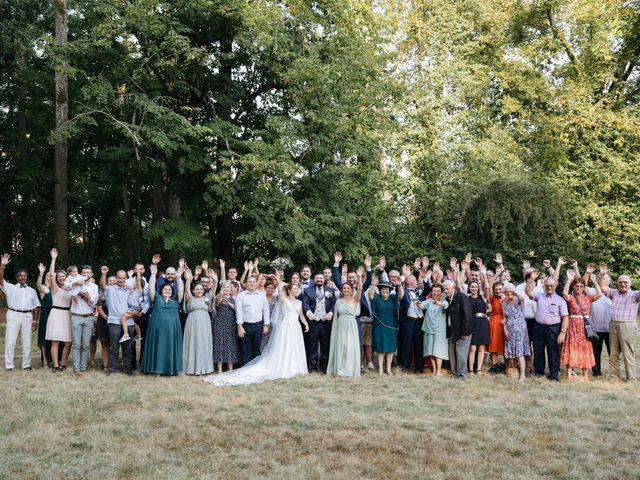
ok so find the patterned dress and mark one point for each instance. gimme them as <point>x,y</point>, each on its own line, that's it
<point>577,350</point>
<point>496,332</point>
<point>267,336</point>
<point>225,334</point>
<point>518,343</point>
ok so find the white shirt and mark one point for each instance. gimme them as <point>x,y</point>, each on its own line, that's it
<point>252,307</point>
<point>530,306</point>
<point>20,298</point>
<point>79,305</point>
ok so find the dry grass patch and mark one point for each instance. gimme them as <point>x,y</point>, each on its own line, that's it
<point>406,426</point>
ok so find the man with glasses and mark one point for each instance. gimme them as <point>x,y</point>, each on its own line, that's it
<point>551,314</point>
<point>623,326</point>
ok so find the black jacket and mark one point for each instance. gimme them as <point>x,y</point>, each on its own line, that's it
<point>459,317</point>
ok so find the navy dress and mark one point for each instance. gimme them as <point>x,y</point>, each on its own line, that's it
<point>480,335</point>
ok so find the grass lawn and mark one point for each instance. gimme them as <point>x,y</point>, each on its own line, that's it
<point>405,426</point>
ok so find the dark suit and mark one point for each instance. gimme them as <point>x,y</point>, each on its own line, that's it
<point>319,329</point>
<point>459,324</point>
<point>411,338</point>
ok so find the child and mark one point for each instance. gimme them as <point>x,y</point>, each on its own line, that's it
<point>73,276</point>
<point>134,306</point>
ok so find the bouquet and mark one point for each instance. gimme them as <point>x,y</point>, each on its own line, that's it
<point>281,263</point>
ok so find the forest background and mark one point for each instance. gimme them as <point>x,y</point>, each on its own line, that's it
<point>247,128</point>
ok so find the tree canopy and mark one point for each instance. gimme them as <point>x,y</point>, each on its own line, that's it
<point>242,128</point>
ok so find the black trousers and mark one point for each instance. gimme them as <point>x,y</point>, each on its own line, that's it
<point>412,338</point>
<point>115,334</point>
<point>546,337</point>
<point>319,332</point>
<point>597,351</point>
<point>250,343</point>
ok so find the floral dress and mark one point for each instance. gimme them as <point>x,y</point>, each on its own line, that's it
<point>517,345</point>
<point>577,350</point>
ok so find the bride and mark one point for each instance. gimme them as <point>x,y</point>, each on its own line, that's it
<point>284,356</point>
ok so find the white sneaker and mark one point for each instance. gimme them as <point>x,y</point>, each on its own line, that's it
<point>370,366</point>
<point>125,337</point>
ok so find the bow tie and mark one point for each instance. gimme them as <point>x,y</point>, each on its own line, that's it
<point>22,285</point>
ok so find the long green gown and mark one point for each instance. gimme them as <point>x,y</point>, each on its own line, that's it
<point>163,345</point>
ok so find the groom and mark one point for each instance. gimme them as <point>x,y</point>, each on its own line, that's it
<point>317,304</point>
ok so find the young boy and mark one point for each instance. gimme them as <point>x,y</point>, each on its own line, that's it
<point>73,276</point>
<point>134,306</point>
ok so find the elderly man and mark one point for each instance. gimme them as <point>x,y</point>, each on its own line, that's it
<point>411,318</point>
<point>623,326</point>
<point>23,313</point>
<point>252,318</point>
<point>459,328</point>
<point>551,314</point>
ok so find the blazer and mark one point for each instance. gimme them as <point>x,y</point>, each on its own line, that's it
<point>459,316</point>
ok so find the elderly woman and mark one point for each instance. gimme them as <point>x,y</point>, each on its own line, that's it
<point>163,345</point>
<point>517,345</point>
<point>434,327</point>
<point>344,351</point>
<point>385,312</point>
<point>59,321</point>
<point>577,351</point>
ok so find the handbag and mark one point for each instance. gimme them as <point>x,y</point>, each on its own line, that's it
<point>589,331</point>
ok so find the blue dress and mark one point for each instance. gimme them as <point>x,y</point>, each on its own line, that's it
<point>434,327</point>
<point>385,323</point>
<point>517,345</point>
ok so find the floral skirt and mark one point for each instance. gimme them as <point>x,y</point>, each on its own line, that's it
<point>577,350</point>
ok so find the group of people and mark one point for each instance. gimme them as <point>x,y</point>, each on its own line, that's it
<point>423,316</point>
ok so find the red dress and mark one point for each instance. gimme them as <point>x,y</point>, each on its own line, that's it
<point>496,329</point>
<point>577,350</point>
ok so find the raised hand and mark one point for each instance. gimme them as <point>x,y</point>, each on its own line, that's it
<point>416,263</point>
<point>464,264</point>
<point>337,257</point>
<point>188,275</point>
<point>592,277</point>
<point>546,263</point>
<point>359,272</point>
<point>591,268</point>
<point>571,274</point>
<point>498,258</point>
<point>221,262</point>
<point>367,262</point>
<point>155,259</point>
<point>153,269</point>
<point>181,263</point>
<point>104,270</point>
<point>562,260</point>
<point>345,268</point>
<point>478,261</point>
<point>406,270</point>
<point>382,262</point>
<point>246,265</point>
<point>205,265</point>
<point>255,263</point>
<point>574,263</point>
<point>453,262</point>
<point>198,270</point>
<point>482,269</point>
<point>54,253</point>
<point>250,263</point>
<point>468,257</point>
<point>211,273</point>
<point>436,267</point>
<point>526,264</point>
<point>129,273</point>
<point>534,275</point>
<point>425,263</point>
<point>41,268</point>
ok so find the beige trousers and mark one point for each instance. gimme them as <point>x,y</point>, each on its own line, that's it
<point>17,323</point>
<point>622,339</point>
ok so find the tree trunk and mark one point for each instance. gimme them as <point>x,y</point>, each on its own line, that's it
<point>157,209</point>
<point>128,215</point>
<point>61,214</point>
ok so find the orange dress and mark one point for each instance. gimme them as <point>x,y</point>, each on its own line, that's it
<point>577,350</point>
<point>496,329</point>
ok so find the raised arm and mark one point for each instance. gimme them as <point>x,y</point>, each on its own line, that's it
<point>531,283</point>
<point>223,272</point>
<point>52,270</point>
<point>39,284</point>
<point>603,278</point>
<point>565,291</point>
<point>180,284</point>
<point>187,289</point>
<point>103,277</point>
<point>152,281</point>
<point>4,261</point>
<point>335,270</point>
<point>358,293</point>
<point>596,285</point>
<point>556,272</point>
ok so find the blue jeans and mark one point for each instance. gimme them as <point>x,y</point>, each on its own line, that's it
<point>81,329</point>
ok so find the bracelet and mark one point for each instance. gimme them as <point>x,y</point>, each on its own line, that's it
<point>563,332</point>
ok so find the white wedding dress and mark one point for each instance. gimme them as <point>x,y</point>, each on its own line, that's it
<point>283,357</point>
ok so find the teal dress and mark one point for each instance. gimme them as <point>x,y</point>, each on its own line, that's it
<point>434,327</point>
<point>163,345</point>
<point>45,307</point>
<point>385,323</point>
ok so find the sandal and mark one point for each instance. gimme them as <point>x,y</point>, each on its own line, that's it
<point>55,369</point>
<point>63,368</point>
<point>479,372</point>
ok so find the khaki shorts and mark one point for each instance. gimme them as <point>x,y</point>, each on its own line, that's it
<point>367,329</point>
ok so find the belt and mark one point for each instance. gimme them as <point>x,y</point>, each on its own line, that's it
<point>83,315</point>
<point>623,321</point>
<point>61,308</point>
<point>414,318</point>
<point>578,316</point>
<point>20,311</point>
<point>479,314</point>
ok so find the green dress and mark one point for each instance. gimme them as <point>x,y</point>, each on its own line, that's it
<point>344,348</point>
<point>385,323</point>
<point>163,345</point>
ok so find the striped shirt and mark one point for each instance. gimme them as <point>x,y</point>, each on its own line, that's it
<point>624,307</point>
